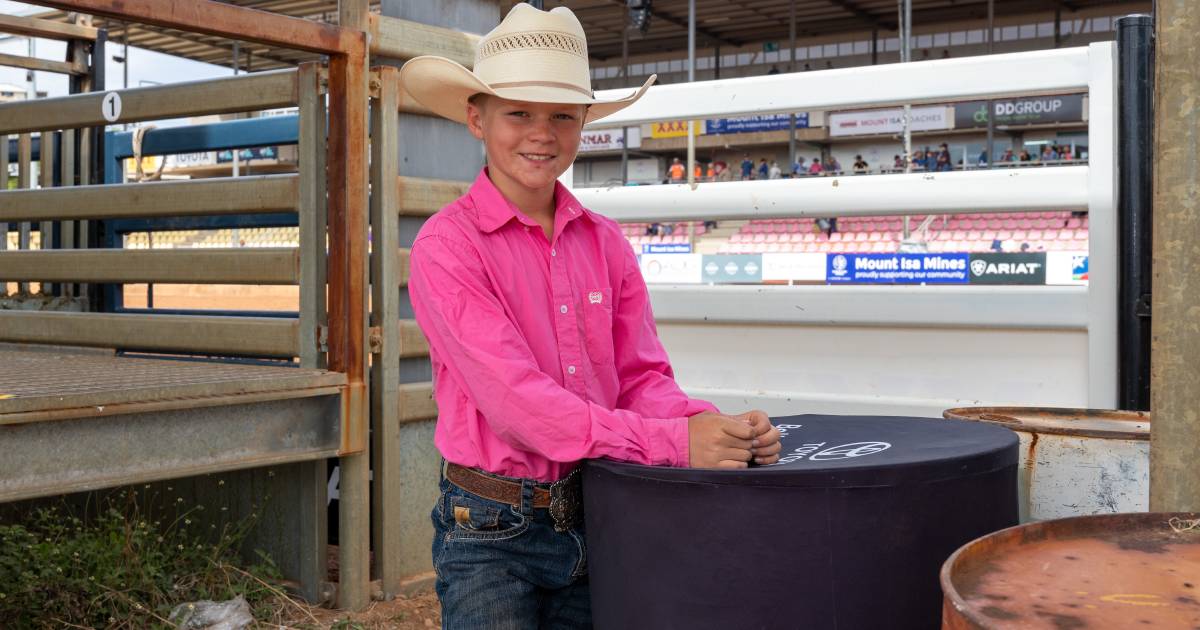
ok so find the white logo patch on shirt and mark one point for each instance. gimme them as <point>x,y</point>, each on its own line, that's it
<point>595,297</point>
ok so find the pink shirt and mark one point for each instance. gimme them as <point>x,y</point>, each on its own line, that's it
<point>544,352</point>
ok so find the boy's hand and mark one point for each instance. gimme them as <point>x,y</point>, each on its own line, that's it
<point>719,441</point>
<point>766,445</point>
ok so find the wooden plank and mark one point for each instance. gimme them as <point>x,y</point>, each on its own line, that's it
<point>179,266</point>
<point>247,92</point>
<point>241,336</point>
<point>403,260</point>
<point>43,65</point>
<point>404,39</point>
<point>422,196</point>
<point>46,181</point>
<point>24,181</point>
<point>385,315</point>
<point>412,340</point>
<point>35,27</point>
<point>312,232</point>
<point>242,195</point>
<point>416,402</point>
<point>222,20</point>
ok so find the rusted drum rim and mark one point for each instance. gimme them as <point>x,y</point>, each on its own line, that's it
<point>1009,417</point>
<point>958,614</point>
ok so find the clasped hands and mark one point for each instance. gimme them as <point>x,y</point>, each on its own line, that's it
<point>721,441</point>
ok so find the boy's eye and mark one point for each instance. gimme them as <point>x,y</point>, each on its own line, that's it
<point>564,116</point>
<point>519,114</point>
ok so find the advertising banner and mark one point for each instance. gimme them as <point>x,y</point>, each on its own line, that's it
<point>999,268</point>
<point>671,268</point>
<point>881,121</point>
<point>732,268</point>
<point>897,268</point>
<point>609,139</point>
<point>666,248</point>
<point>749,124</point>
<point>809,267</point>
<point>1067,268</point>
<point>674,129</point>
<point>1021,111</point>
<point>255,153</point>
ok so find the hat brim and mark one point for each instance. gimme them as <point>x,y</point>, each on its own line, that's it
<point>443,86</point>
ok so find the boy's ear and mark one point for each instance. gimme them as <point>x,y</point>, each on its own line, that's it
<point>475,120</point>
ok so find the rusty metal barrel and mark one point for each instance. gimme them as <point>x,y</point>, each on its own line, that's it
<point>1104,572</point>
<point>1075,462</point>
<point>848,530</point>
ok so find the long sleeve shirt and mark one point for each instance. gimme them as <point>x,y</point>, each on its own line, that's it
<point>544,351</point>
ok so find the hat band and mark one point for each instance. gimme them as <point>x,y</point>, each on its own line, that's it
<point>550,84</point>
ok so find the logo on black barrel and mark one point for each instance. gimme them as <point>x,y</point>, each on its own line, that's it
<point>847,451</point>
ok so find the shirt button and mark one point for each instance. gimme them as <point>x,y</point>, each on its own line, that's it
<point>570,369</point>
<point>553,252</point>
<point>563,309</point>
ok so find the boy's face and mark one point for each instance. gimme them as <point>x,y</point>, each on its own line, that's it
<point>527,144</point>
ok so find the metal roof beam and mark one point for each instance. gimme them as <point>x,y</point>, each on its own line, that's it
<point>681,23</point>
<point>869,18</point>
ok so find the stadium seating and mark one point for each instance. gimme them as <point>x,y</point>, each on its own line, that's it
<point>1040,231</point>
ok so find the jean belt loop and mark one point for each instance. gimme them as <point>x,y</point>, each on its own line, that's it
<point>527,486</point>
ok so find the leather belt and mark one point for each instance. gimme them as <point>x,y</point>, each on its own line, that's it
<point>564,498</point>
<point>489,487</point>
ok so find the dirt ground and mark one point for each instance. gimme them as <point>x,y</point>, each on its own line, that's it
<point>418,612</point>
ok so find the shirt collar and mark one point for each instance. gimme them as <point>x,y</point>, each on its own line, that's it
<point>494,210</point>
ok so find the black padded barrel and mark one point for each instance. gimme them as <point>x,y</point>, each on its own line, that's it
<point>848,531</point>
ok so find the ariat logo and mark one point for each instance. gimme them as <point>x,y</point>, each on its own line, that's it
<point>595,297</point>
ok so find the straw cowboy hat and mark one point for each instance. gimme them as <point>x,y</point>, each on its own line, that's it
<point>533,56</point>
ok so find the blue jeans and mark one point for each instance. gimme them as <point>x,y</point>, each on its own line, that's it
<point>503,567</point>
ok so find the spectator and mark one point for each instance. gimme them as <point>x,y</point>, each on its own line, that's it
<point>764,170</point>
<point>1066,152</point>
<point>1049,154</point>
<point>711,173</point>
<point>698,172</point>
<point>997,246</point>
<point>918,160</point>
<point>832,164</point>
<point>666,229</point>
<point>676,171</point>
<point>815,168</point>
<point>860,165</point>
<point>775,172</point>
<point>724,173</point>
<point>1007,156</point>
<point>747,168</point>
<point>1024,247</point>
<point>1025,156</point>
<point>654,229</point>
<point>983,158</point>
<point>942,162</point>
<point>897,163</point>
<point>798,167</point>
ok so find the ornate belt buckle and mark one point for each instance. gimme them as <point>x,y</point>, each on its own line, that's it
<point>566,502</point>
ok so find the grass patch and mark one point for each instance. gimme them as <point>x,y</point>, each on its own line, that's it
<point>125,562</point>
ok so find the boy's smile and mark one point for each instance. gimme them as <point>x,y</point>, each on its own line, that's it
<point>528,146</point>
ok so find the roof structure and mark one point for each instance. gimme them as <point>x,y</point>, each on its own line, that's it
<point>733,23</point>
<point>738,23</point>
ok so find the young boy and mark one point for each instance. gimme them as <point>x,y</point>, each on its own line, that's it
<point>543,344</point>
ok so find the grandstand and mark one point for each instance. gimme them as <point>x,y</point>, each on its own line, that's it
<point>1029,231</point>
<point>223,238</point>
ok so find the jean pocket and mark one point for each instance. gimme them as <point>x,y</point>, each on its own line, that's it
<point>479,520</point>
<point>598,324</point>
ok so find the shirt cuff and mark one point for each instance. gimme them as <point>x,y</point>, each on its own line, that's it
<point>681,455</point>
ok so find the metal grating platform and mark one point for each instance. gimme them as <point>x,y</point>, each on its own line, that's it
<point>47,386</point>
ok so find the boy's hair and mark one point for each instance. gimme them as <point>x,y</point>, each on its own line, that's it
<point>478,99</point>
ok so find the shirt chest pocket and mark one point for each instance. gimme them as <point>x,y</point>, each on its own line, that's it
<point>597,314</point>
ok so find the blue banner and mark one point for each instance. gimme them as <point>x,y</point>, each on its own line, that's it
<point>897,268</point>
<point>749,124</point>
<point>666,248</point>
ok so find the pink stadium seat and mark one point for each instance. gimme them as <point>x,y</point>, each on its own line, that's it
<point>772,238</point>
<point>994,224</point>
<point>880,247</point>
<point>861,237</point>
<point>759,248</point>
<point>1025,224</point>
<point>835,237</point>
<point>838,247</point>
<point>1042,224</point>
<point>772,248</point>
<point>795,237</point>
<point>725,248</point>
<point>944,236</point>
<point>974,235</point>
<point>1081,235</point>
<point>959,235</point>
<point>875,237</point>
<point>809,237</point>
<point>1074,223</point>
<point>760,238</point>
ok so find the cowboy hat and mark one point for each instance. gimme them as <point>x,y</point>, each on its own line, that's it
<point>533,55</point>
